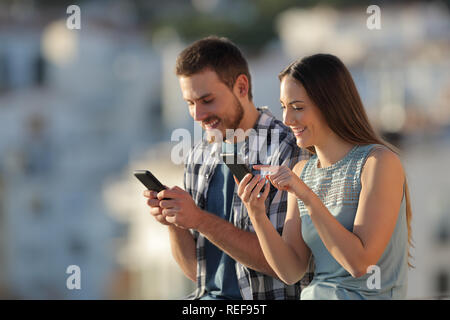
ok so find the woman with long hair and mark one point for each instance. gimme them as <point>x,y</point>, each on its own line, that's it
<point>348,205</point>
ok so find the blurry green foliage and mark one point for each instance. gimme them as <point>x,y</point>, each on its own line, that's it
<point>249,23</point>
<point>252,32</point>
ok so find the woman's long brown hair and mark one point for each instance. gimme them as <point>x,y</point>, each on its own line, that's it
<point>330,86</point>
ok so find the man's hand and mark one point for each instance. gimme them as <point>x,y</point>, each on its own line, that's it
<point>155,209</point>
<point>178,207</point>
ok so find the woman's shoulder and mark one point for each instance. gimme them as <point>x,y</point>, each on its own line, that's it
<point>382,153</point>
<point>382,158</point>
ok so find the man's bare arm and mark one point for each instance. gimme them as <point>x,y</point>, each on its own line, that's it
<point>183,251</point>
<point>242,246</point>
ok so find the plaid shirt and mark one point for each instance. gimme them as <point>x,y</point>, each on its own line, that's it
<point>200,165</point>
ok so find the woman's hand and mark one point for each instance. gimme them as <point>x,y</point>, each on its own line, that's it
<point>284,179</point>
<point>249,191</point>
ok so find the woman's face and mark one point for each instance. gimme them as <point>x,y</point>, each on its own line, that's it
<point>301,114</point>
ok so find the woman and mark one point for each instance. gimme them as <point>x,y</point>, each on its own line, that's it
<point>348,205</point>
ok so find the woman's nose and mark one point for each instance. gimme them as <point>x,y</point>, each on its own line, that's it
<point>289,119</point>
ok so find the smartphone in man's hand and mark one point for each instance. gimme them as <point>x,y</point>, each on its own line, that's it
<point>149,180</point>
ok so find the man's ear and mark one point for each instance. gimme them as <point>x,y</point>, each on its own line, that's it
<point>241,86</point>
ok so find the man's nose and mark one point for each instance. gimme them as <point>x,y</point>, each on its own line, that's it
<point>198,113</point>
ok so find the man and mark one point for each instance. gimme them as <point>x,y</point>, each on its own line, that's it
<point>211,236</point>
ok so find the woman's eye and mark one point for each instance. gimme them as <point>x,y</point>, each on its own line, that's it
<point>293,107</point>
<point>207,101</point>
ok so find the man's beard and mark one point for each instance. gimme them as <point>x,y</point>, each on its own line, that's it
<point>231,123</point>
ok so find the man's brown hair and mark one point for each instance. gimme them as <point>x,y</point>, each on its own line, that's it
<point>217,54</point>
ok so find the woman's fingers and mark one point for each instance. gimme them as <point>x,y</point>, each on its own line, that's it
<point>283,184</point>
<point>270,180</point>
<point>266,191</point>
<point>243,183</point>
<point>266,167</point>
<point>249,187</point>
<point>256,191</point>
<point>278,178</point>
<point>282,178</point>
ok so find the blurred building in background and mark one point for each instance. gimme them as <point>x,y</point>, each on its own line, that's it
<point>81,109</point>
<point>74,106</point>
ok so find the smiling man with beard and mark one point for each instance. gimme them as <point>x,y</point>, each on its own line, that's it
<point>211,235</point>
<point>213,105</point>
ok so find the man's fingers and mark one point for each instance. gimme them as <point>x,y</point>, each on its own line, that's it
<point>173,220</point>
<point>150,194</point>
<point>169,212</point>
<point>161,219</point>
<point>156,211</point>
<point>170,219</point>
<point>169,193</point>
<point>153,202</point>
<point>167,203</point>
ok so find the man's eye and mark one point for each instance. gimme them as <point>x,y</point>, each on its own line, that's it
<point>207,101</point>
<point>297,108</point>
